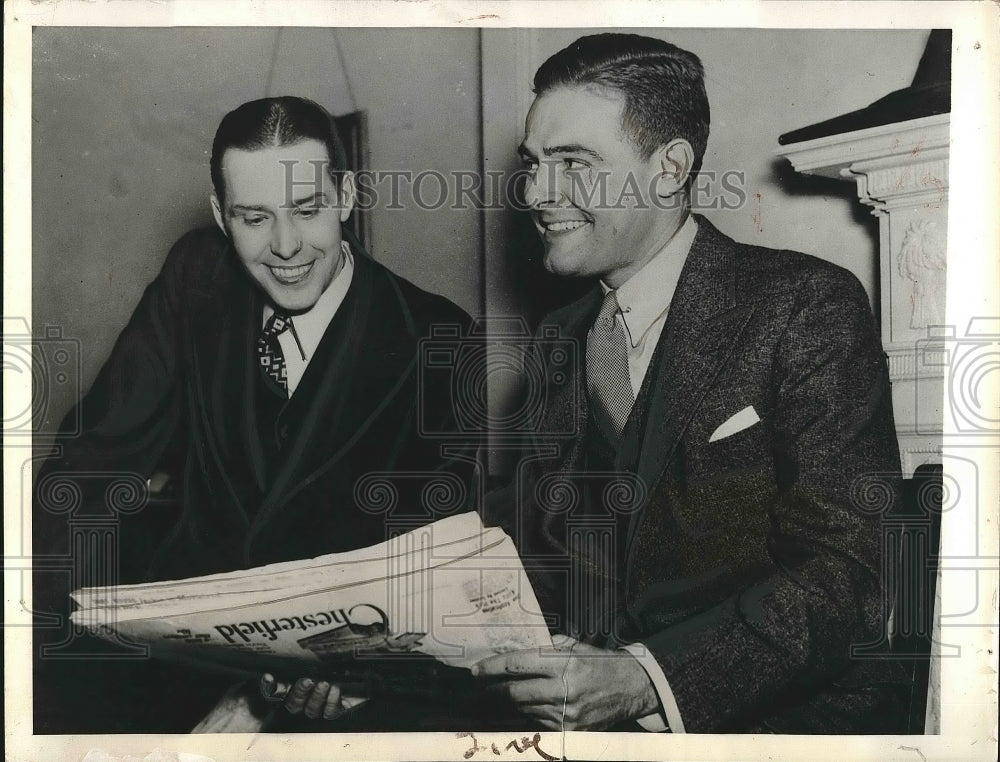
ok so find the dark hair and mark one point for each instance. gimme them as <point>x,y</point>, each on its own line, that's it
<point>663,86</point>
<point>280,121</point>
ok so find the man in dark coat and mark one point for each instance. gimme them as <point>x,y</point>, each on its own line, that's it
<point>272,369</point>
<point>694,506</point>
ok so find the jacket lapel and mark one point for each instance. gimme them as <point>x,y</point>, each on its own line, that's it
<point>566,410</point>
<point>224,360</point>
<point>703,325</point>
<point>364,359</point>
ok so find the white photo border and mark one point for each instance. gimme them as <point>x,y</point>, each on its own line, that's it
<point>969,706</point>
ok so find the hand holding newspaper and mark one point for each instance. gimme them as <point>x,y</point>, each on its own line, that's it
<point>389,616</point>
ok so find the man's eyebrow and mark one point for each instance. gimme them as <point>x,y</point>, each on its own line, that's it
<point>237,208</point>
<point>572,148</point>
<point>312,198</point>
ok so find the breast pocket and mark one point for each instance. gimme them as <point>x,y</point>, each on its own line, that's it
<point>727,485</point>
<point>747,449</point>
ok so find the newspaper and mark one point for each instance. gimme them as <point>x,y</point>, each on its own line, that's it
<point>426,604</point>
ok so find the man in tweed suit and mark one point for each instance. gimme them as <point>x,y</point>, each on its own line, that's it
<point>699,537</point>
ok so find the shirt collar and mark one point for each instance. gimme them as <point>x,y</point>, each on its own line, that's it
<point>647,295</point>
<point>310,326</point>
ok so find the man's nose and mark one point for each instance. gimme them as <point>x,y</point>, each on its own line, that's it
<point>541,187</point>
<point>286,241</point>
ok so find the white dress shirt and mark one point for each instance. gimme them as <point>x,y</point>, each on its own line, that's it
<point>644,300</point>
<point>299,344</point>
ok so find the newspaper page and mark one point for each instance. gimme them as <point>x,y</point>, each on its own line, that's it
<point>367,618</point>
<point>450,537</point>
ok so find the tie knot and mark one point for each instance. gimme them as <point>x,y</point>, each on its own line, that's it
<point>276,324</point>
<point>609,308</point>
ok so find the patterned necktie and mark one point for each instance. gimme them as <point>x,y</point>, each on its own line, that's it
<point>272,361</point>
<point>607,365</point>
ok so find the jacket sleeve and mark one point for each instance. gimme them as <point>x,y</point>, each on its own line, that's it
<point>833,440</point>
<point>124,419</point>
<point>120,432</point>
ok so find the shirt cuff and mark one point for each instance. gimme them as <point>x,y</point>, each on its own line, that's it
<point>669,718</point>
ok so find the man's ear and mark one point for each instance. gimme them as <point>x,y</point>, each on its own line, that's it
<point>348,194</point>
<point>217,212</point>
<point>676,159</point>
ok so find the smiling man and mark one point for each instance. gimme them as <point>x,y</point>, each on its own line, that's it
<point>270,366</point>
<point>604,227</point>
<point>285,230</point>
<point>700,541</point>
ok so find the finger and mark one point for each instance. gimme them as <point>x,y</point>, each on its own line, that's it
<point>273,689</point>
<point>539,691</point>
<point>551,716</point>
<point>317,700</point>
<point>550,724</point>
<point>539,711</point>
<point>534,662</point>
<point>298,695</point>
<point>534,691</point>
<point>333,705</point>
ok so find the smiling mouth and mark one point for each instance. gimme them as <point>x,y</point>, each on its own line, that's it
<point>563,226</point>
<point>291,275</point>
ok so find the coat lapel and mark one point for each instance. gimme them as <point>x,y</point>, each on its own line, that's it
<point>703,325</point>
<point>224,360</point>
<point>566,410</point>
<point>365,357</point>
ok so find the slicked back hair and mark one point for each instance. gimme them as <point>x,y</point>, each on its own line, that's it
<point>280,121</point>
<point>663,87</point>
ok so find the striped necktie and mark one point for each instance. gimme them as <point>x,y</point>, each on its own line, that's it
<point>272,361</point>
<point>607,365</point>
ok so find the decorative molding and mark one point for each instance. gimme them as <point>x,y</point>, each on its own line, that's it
<point>918,449</point>
<point>903,365</point>
<point>887,179</point>
<point>922,432</point>
<point>914,457</point>
<point>904,143</point>
<point>922,260</point>
<point>894,165</point>
<point>884,188</point>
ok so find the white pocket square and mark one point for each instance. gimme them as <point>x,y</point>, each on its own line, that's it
<point>744,419</point>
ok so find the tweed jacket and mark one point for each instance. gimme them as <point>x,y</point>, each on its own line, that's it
<point>749,564</point>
